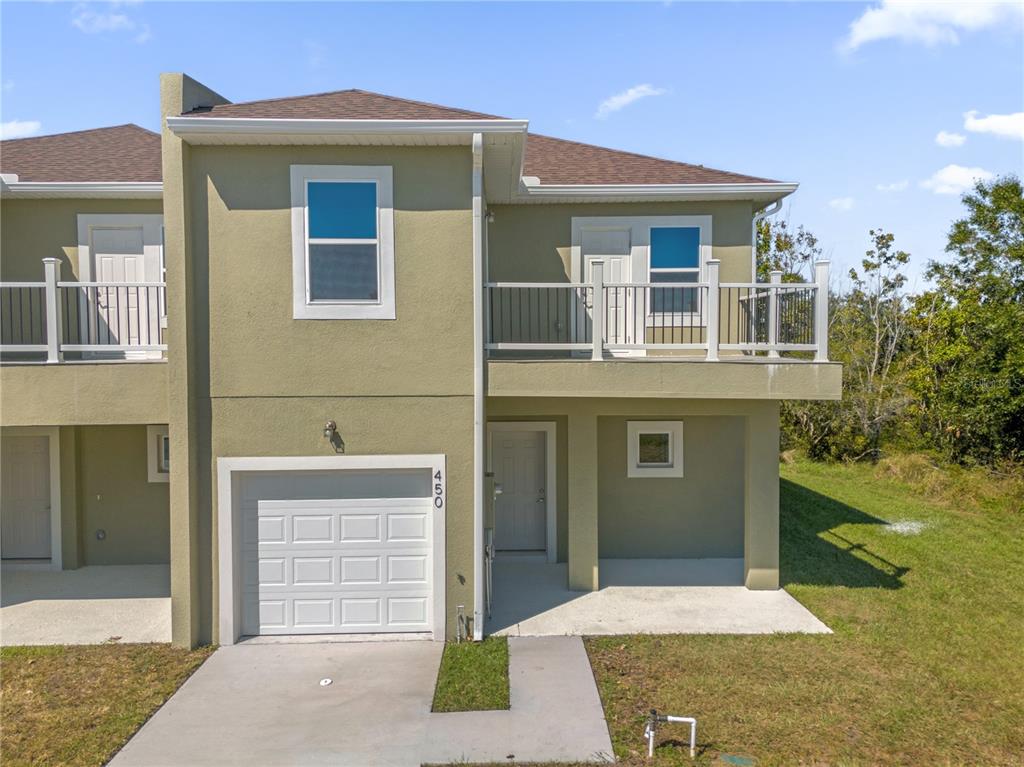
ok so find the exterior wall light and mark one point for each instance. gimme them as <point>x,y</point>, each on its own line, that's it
<point>332,436</point>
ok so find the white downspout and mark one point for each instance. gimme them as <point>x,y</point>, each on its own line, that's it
<point>479,417</point>
<point>760,216</point>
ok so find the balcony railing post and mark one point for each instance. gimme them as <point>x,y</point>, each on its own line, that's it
<point>597,309</point>
<point>714,312</point>
<point>51,276</point>
<point>821,311</point>
<point>773,314</point>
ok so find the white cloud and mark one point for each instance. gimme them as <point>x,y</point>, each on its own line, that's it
<point>949,140</point>
<point>956,179</point>
<point>627,97</point>
<point>895,186</point>
<point>841,204</point>
<point>86,18</point>
<point>19,128</point>
<point>1006,126</point>
<point>929,22</point>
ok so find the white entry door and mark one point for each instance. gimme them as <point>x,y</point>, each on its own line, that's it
<point>612,248</point>
<point>121,249</point>
<point>338,566</point>
<point>25,508</point>
<point>520,512</point>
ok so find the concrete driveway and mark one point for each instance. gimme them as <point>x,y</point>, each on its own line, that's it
<point>86,606</point>
<point>263,704</point>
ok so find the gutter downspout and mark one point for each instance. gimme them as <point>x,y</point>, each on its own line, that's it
<point>760,216</point>
<point>479,417</point>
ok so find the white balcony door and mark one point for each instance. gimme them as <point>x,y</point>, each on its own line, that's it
<point>520,512</point>
<point>121,249</point>
<point>25,509</point>
<point>611,247</point>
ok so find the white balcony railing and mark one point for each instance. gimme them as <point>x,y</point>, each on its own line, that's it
<point>622,319</point>
<point>44,321</point>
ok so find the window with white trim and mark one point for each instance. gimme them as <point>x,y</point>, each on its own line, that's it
<point>675,257</point>
<point>654,449</point>
<point>343,260</point>
<point>158,454</point>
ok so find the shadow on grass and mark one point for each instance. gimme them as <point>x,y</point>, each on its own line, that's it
<point>813,554</point>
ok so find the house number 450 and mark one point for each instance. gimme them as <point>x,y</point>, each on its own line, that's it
<point>438,490</point>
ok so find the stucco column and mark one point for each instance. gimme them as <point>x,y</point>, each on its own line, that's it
<point>761,497</point>
<point>583,502</point>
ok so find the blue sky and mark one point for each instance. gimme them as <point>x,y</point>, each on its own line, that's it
<point>846,98</point>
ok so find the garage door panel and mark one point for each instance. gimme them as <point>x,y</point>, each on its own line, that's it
<point>338,566</point>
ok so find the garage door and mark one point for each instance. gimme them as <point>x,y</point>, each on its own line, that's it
<point>338,566</point>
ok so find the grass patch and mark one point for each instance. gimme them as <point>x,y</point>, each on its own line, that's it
<point>926,665</point>
<point>473,676</point>
<point>77,705</point>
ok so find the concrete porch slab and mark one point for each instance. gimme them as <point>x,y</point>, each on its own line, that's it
<point>86,606</point>
<point>642,596</point>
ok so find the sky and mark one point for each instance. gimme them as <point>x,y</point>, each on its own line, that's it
<point>884,112</point>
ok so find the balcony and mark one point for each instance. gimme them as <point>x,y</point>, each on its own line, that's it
<point>54,321</point>
<point>745,340</point>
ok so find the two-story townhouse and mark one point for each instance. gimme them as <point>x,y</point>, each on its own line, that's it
<point>421,362</point>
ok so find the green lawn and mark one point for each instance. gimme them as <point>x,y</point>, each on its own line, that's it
<point>473,676</point>
<point>926,665</point>
<point>77,705</point>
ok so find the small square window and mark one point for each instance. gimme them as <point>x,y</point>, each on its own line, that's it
<point>158,454</point>
<point>655,449</point>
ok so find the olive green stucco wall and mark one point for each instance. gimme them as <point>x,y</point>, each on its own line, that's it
<point>697,515</point>
<point>532,243</point>
<point>34,229</point>
<point>263,384</point>
<point>115,495</point>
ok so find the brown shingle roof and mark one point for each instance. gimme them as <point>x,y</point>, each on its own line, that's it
<point>352,104</point>
<point>554,161</point>
<point>557,161</point>
<point>119,153</point>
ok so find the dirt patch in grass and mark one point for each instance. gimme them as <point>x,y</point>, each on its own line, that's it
<point>926,665</point>
<point>77,705</point>
<point>473,676</point>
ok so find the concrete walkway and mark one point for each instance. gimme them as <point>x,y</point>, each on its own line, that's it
<point>262,704</point>
<point>666,596</point>
<point>86,606</point>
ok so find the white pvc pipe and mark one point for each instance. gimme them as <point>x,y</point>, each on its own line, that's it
<point>650,732</point>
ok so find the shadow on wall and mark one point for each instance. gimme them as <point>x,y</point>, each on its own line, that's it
<point>812,553</point>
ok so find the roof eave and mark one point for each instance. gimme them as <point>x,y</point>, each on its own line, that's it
<point>186,127</point>
<point>111,190</point>
<point>757,191</point>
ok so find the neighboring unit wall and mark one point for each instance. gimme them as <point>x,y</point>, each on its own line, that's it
<point>34,229</point>
<point>532,243</point>
<point>698,515</point>
<point>115,496</point>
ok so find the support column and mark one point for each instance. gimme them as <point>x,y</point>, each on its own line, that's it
<point>583,502</point>
<point>761,497</point>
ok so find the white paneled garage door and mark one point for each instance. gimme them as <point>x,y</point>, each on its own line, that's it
<point>328,566</point>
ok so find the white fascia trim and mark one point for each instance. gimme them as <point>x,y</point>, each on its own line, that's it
<point>188,126</point>
<point>694,191</point>
<point>109,189</point>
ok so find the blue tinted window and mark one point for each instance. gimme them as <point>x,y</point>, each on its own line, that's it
<point>342,210</point>
<point>675,247</point>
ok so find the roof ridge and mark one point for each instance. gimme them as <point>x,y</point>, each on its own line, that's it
<point>640,155</point>
<point>83,130</point>
<point>353,90</point>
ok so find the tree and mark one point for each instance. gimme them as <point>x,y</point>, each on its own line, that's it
<point>969,331</point>
<point>779,249</point>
